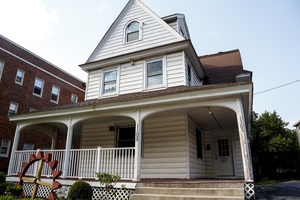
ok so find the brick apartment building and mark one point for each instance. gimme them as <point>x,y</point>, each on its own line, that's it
<point>29,83</point>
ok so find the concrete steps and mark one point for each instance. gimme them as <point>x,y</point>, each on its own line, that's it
<point>219,190</point>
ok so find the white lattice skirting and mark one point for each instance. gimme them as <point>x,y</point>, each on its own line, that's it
<point>98,193</point>
<point>249,190</point>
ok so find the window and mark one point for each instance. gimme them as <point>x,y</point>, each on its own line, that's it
<point>126,136</point>
<point>199,144</point>
<point>154,72</point>
<point>5,145</point>
<point>189,78</point>
<point>38,87</point>
<point>27,146</point>
<point>19,77</point>
<point>74,98</point>
<point>13,108</point>
<point>1,68</point>
<point>110,81</point>
<point>55,94</point>
<point>133,31</point>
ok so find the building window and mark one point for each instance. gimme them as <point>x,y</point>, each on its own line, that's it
<point>38,87</point>
<point>110,81</point>
<point>1,68</point>
<point>189,76</point>
<point>55,94</point>
<point>28,146</point>
<point>5,145</point>
<point>19,77</point>
<point>13,108</point>
<point>133,31</point>
<point>199,144</point>
<point>74,98</point>
<point>126,136</point>
<point>154,72</point>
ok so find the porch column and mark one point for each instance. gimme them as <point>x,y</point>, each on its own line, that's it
<point>14,148</point>
<point>246,155</point>
<point>67,150</point>
<point>138,150</point>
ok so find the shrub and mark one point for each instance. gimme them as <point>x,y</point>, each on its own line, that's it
<point>2,177</point>
<point>13,190</point>
<point>3,187</point>
<point>80,190</point>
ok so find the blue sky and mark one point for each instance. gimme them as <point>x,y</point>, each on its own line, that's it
<point>267,33</point>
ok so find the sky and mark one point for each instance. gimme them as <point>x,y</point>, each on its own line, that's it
<point>267,33</point>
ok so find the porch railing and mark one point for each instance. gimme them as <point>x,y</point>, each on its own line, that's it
<point>82,163</point>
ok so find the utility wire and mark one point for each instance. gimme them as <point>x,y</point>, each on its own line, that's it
<point>277,87</point>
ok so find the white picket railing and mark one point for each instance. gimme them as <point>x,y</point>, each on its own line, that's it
<point>83,163</point>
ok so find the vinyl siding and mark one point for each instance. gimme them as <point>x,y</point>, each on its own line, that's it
<point>196,165</point>
<point>175,69</point>
<point>164,148</point>
<point>238,154</point>
<point>208,155</point>
<point>174,25</point>
<point>194,78</point>
<point>93,86</point>
<point>154,34</point>
<point>131,77</point>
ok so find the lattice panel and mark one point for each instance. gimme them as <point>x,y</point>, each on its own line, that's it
<point>43,191</point>
<point>249,190</point>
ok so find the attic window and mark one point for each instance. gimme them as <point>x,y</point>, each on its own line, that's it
<point>133,31</point>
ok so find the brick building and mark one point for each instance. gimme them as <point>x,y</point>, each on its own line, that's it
<point>29,83</point>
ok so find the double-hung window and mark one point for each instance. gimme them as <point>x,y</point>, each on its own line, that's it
<point>13,108</point>
<point>38,87</point>
<point>74,98</point>
<point>19,77</point>
<point>133,31</point>
<point>154,73</point>
<point>110,79</point>
<point>5,145</point>
<point>55,94</point>
<point>1,68</point>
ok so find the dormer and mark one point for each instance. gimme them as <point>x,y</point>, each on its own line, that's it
<point>178,23</point>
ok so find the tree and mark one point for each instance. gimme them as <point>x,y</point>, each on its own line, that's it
<point>275,148</point>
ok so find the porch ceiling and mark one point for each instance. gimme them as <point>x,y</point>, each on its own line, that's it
<point>206,117</point>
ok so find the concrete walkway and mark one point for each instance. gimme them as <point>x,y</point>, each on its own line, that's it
<point>281,191</point>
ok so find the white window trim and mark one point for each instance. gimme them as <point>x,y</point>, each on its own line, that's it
<point>17,106</point>
<point>8,148</point>
<point>74,96</point>
<point>42,89</point>
<point>117,82</point>
<point>28,144</point>
<point>2,63</point>
<point>22,78</point>
<point>58,94</point>
<point>140,31</point>
<point>164,75</point>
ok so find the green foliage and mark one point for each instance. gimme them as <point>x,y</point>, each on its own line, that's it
<point>14,190</point>
<point>2,177</point>
<point>275,148</point>
<point>108,180</point>
<point>3,187</point>
<point>6,197</point>
<point>80,190</point>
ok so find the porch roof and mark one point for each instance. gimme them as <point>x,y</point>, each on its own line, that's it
<point>143,95</point>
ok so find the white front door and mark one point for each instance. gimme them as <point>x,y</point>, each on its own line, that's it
<point>223,157</point>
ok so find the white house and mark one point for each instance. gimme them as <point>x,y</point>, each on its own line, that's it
<point>154,109</point>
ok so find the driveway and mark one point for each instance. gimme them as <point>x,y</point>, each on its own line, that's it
<point>281,191</point>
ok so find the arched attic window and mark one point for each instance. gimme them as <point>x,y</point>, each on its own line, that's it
<point>133,31</point>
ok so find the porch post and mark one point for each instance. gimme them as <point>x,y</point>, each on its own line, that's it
<point>14,148</point>
<point>67,150</point>
<point>246,154</point>
<point>137,155</point>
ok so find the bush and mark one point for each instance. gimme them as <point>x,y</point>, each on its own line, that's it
<point>2,177</point>
<point>80,190</point>
<point>13,190</point>
<point>3,187</point>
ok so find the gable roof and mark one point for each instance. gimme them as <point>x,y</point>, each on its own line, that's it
<point>134,9</point>
<point>222,67</point>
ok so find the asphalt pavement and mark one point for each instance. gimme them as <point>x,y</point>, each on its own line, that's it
<point>281,191</point>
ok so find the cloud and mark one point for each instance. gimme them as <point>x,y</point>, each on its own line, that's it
<point>26,21</point>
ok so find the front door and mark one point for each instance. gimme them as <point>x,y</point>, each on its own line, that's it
<point>223,157</point>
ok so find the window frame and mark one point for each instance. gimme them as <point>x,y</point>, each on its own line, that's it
<point>199,144</point>
<point>5,155</point>
<point>76,98</point>
<point>2,64</point>
<point>132,140</point>
<point>103,93</point>
<point>58,93</point>
<point>16,108</point>
<point>42,87</point>
<point>22,78</point>
<point>28,144</point>
<point>163,74</point>
<point>140,31</point>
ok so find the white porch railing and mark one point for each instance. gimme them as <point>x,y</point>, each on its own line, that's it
<point>83,163</point>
